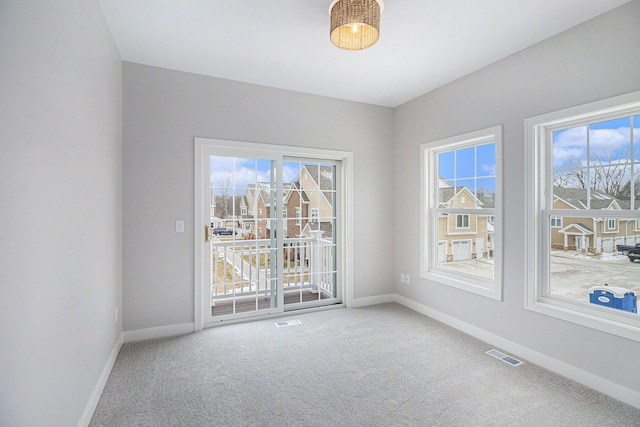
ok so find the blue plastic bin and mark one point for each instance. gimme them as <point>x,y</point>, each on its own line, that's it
<point>614,297</point>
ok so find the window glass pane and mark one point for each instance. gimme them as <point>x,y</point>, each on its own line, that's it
<point>486,160</point>
<point>610,141</point>
<point>607,185</point>
<point>469,253</point>
<point>486,193</point>
<point>445,165</point>
<point>570,159</point>
<point>465,163</point>
<point>585,255</point>
<point>465,198</point>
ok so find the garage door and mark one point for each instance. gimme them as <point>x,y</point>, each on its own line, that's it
<point>461,249</point>
<point>442,251</point>
<point>607,245</point>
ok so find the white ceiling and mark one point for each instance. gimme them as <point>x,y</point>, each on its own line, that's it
<point>423,44</point>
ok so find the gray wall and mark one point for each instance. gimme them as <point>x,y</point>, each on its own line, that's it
<point>164,110</point>
<point>60,208</point>
<point>596,60</point>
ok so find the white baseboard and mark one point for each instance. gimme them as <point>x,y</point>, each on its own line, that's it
<point>602,385</point>
<point>379,299</point>
<point>102,381</point>
<point>158,332</point>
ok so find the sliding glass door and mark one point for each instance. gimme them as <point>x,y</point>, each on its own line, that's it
<point>270,233</point>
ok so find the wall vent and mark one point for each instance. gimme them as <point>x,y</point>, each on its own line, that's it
<point>287,323</point>
<point>504,357</point>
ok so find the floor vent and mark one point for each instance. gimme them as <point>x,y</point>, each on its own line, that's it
<point>505,358</point>
<point>287,323</point>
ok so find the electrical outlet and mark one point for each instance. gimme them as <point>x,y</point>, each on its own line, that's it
<point>407,280</point>
<point>401,277</point>
<point>179,226</point>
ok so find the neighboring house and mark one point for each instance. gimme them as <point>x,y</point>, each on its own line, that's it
<point>297,203</point>
<point>257,205</point>
<point>317,184</point>
<point>595,235</point>
<point>464,236</point>
<point>307,205</point>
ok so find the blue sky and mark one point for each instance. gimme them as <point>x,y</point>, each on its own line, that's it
<point>473,167</point>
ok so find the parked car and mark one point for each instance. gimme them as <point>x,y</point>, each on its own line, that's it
<point>223,231</point>
<point>627,249</point>
<point>633,254</point>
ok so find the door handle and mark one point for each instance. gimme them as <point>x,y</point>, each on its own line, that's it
<point>207,233</point>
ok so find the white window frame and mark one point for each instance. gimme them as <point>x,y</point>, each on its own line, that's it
<point>315,214</point>
<point>539,164</point>
<point>430,212</point>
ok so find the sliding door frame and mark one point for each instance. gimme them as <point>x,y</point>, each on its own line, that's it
<point>344,232</point>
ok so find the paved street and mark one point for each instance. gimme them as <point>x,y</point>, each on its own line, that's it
<point>572,274</point>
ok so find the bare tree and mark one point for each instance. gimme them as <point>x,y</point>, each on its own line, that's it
<point>223,199</point>
<point>606,172</point>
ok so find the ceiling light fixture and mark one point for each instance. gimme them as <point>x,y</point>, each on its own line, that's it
<point>355,24</point>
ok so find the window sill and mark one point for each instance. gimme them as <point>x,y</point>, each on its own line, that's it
<point>465,282</point>
<point>623,324</point>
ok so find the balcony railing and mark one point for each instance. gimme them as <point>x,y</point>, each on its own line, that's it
<point>249,267</point>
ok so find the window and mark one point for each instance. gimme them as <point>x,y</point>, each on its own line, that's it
<point>584,171</point>
<point>461,211</point>
<point>298,216</point>
<point>462,220</point>
<point>244,210</point>
<point>315,213</point>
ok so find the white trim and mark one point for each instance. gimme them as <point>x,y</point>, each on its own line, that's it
<point>429,217</point>
<point>90,409</point>
<point>539,208</point>
<point>588,379</point>
<point>158,332</point>
<point>374,300</point>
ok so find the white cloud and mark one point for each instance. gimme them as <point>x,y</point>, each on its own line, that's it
<point>572,143</point>
<point>488,169</point>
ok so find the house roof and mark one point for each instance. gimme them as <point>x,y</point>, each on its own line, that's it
<point>577,197</point>
<point>264,188</point>
<point>323,177</point>
<point>483,200</point>
<point>295,187</point>
<point>583,229</point>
